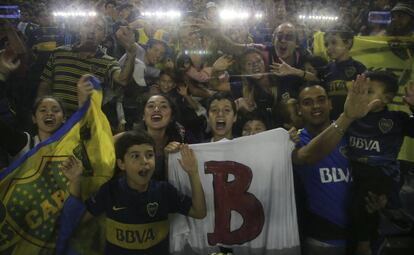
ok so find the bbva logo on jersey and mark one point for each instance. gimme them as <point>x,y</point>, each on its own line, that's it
<point>363,143</point>
<point>329,175</point>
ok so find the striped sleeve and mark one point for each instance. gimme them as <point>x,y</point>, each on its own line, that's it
<point>112,68</point>
<point>47,75</point>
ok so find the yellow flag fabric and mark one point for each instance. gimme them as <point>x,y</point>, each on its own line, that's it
<point>33,189</point>
<point>395,54</point>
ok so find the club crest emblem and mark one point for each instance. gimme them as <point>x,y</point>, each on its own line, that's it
<point>343,151</point>
<point>152,209</point>
<point>385,125</point>
<point>350,72</point>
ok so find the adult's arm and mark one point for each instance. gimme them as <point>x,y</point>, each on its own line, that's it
<point>357,105</point>
<point>126,39</point>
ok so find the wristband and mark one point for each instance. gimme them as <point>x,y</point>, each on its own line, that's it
<point>338,128</point>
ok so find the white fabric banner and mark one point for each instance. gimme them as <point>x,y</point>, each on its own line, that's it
<point>248,184</point>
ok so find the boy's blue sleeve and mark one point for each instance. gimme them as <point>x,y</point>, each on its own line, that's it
<point>71,215</point>
<point>177,202</point>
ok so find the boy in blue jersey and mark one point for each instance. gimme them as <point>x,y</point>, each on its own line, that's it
<point>137,207</point>
<point>342,69</point>
<point>326,182</point>
<point>374,142</point>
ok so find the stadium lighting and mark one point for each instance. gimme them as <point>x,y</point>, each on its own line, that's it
<point>258,15</point>
<point>74,14</point>
<point>318,17</point>
<point>170,14</point>
<point>230,15</point>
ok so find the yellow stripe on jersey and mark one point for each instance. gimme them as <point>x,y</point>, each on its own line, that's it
<point>45,46</point>
<point>136,236</point>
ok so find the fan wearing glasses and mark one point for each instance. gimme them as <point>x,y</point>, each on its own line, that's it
<point>287,61</point>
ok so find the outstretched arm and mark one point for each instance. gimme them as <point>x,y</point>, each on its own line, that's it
<point>126,38</point>
<point>189,163</point>
<point>357,105</point>
<point>285,69</point>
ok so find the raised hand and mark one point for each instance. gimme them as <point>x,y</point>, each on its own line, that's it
<point>72,168</point>
<point>183,90</point>
<point>188,160</point>
<point>282,69</point>
<point>126,38</point>
<point>172,147</point>
<point>223,63</point>
<point>8,63</point>
<point>85,89</point>
<point>375,203</point>
<point>245,104</point>
<point>294,135</point>
<point>409,94</point>
<point>358,102</point>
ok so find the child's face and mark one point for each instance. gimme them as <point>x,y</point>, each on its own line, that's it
<point>336,48</point>
<point>48,116</point>
<point>139,165</point>
<point>376,91</point>
<point>221,118</point>
<point>253,127</point>
<point>166,84</point>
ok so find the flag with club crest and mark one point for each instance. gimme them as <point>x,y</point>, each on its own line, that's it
<point>33,189</point>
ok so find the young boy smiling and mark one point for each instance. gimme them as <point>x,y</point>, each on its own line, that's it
<point>137,207</point>
<point>342,69</point>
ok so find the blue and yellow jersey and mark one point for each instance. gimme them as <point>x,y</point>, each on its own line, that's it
<point>337,77</point>
<point>137,223</point>
<point>376,139</point>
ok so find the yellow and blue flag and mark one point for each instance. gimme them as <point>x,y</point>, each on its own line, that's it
<point>33,189</point>
<point>383,53</point>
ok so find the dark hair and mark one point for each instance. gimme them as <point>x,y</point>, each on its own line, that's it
<point>250,116</point>
<point>172,74</point>
<point>173,106</point>
<point>344,32</point>
<point>317,62</point>
<point>310,84</point>
<point>175,131</point>
<point>388,79</point>
<point>152,42</point>
<point>222,96</point>
<point>181,59</point>
<point>124,6</point>
<point>129,139</point>
<point>39,100</point>
<point>110,2</point>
